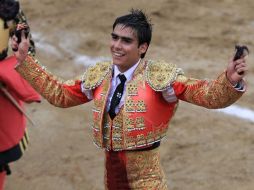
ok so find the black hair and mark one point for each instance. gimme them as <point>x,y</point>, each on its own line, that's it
<point>8,9</point>
<point>138,21</point>
<point>3,54</point>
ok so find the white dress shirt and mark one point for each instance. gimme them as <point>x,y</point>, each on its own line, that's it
<point>115,81</point>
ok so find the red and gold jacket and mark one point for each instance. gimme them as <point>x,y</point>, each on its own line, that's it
<point>145,115</point>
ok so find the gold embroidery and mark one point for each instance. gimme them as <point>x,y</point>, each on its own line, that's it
<point>140,123</point>
<point>160,74</point>
<point>118,121</point>
<point>157,135</point>
<point>141,141</point>
<point>98,104</point>
<point>130,106</point>
<point>96,125</point>
<point>105,88</point>
<point>150,138</point>
<point>132,89</point>
<point>141,106</point>
<point>49,86</point>
<point>212,94</point>
<point>129,123</point>
<point>130,142</point>
<point>138,76</point>
<point>139,71</point>
<point>127,130</point>
<point>96,118</point>
<point>117,144</point>
<point>181,78</point>
<point>99,107</point>
<point>116,133</point>
<point>106,135</point>
<point>144,170</point>
<point>97,138</point>
<point>94,76</point>
<point>70,82</point>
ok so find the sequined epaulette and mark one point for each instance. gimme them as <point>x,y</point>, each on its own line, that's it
<point>94,75</point>
<point>160,74</point>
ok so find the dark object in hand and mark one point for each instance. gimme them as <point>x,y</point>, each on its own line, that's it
<point>18,33</point>
<point>241,51</point>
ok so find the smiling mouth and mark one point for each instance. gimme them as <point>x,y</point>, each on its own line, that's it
<point>116,54</point>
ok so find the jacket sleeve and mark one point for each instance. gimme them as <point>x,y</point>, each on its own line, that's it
<point>58,92</point>
<point>212,94</point>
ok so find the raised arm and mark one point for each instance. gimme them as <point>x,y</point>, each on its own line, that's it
<point>58,92</point>
<point>218,93</point>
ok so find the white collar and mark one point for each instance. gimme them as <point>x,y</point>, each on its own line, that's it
<point>128,74</point>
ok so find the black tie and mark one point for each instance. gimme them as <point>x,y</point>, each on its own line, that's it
<point>117,96</point>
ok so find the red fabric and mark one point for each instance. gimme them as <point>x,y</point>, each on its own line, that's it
<point>155,105</point>
<point>116,175</point>
<point>2,179</point>
<point>155,124</point>
<point>75,90</point>
<point>12,121</point>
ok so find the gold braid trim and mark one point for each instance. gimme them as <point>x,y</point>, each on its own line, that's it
<point>144,170</point>
<point>23,144</point>
<point>212,94</point>
<point>160,74</point>
<point>94,76</point>
<point>49,86</point>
